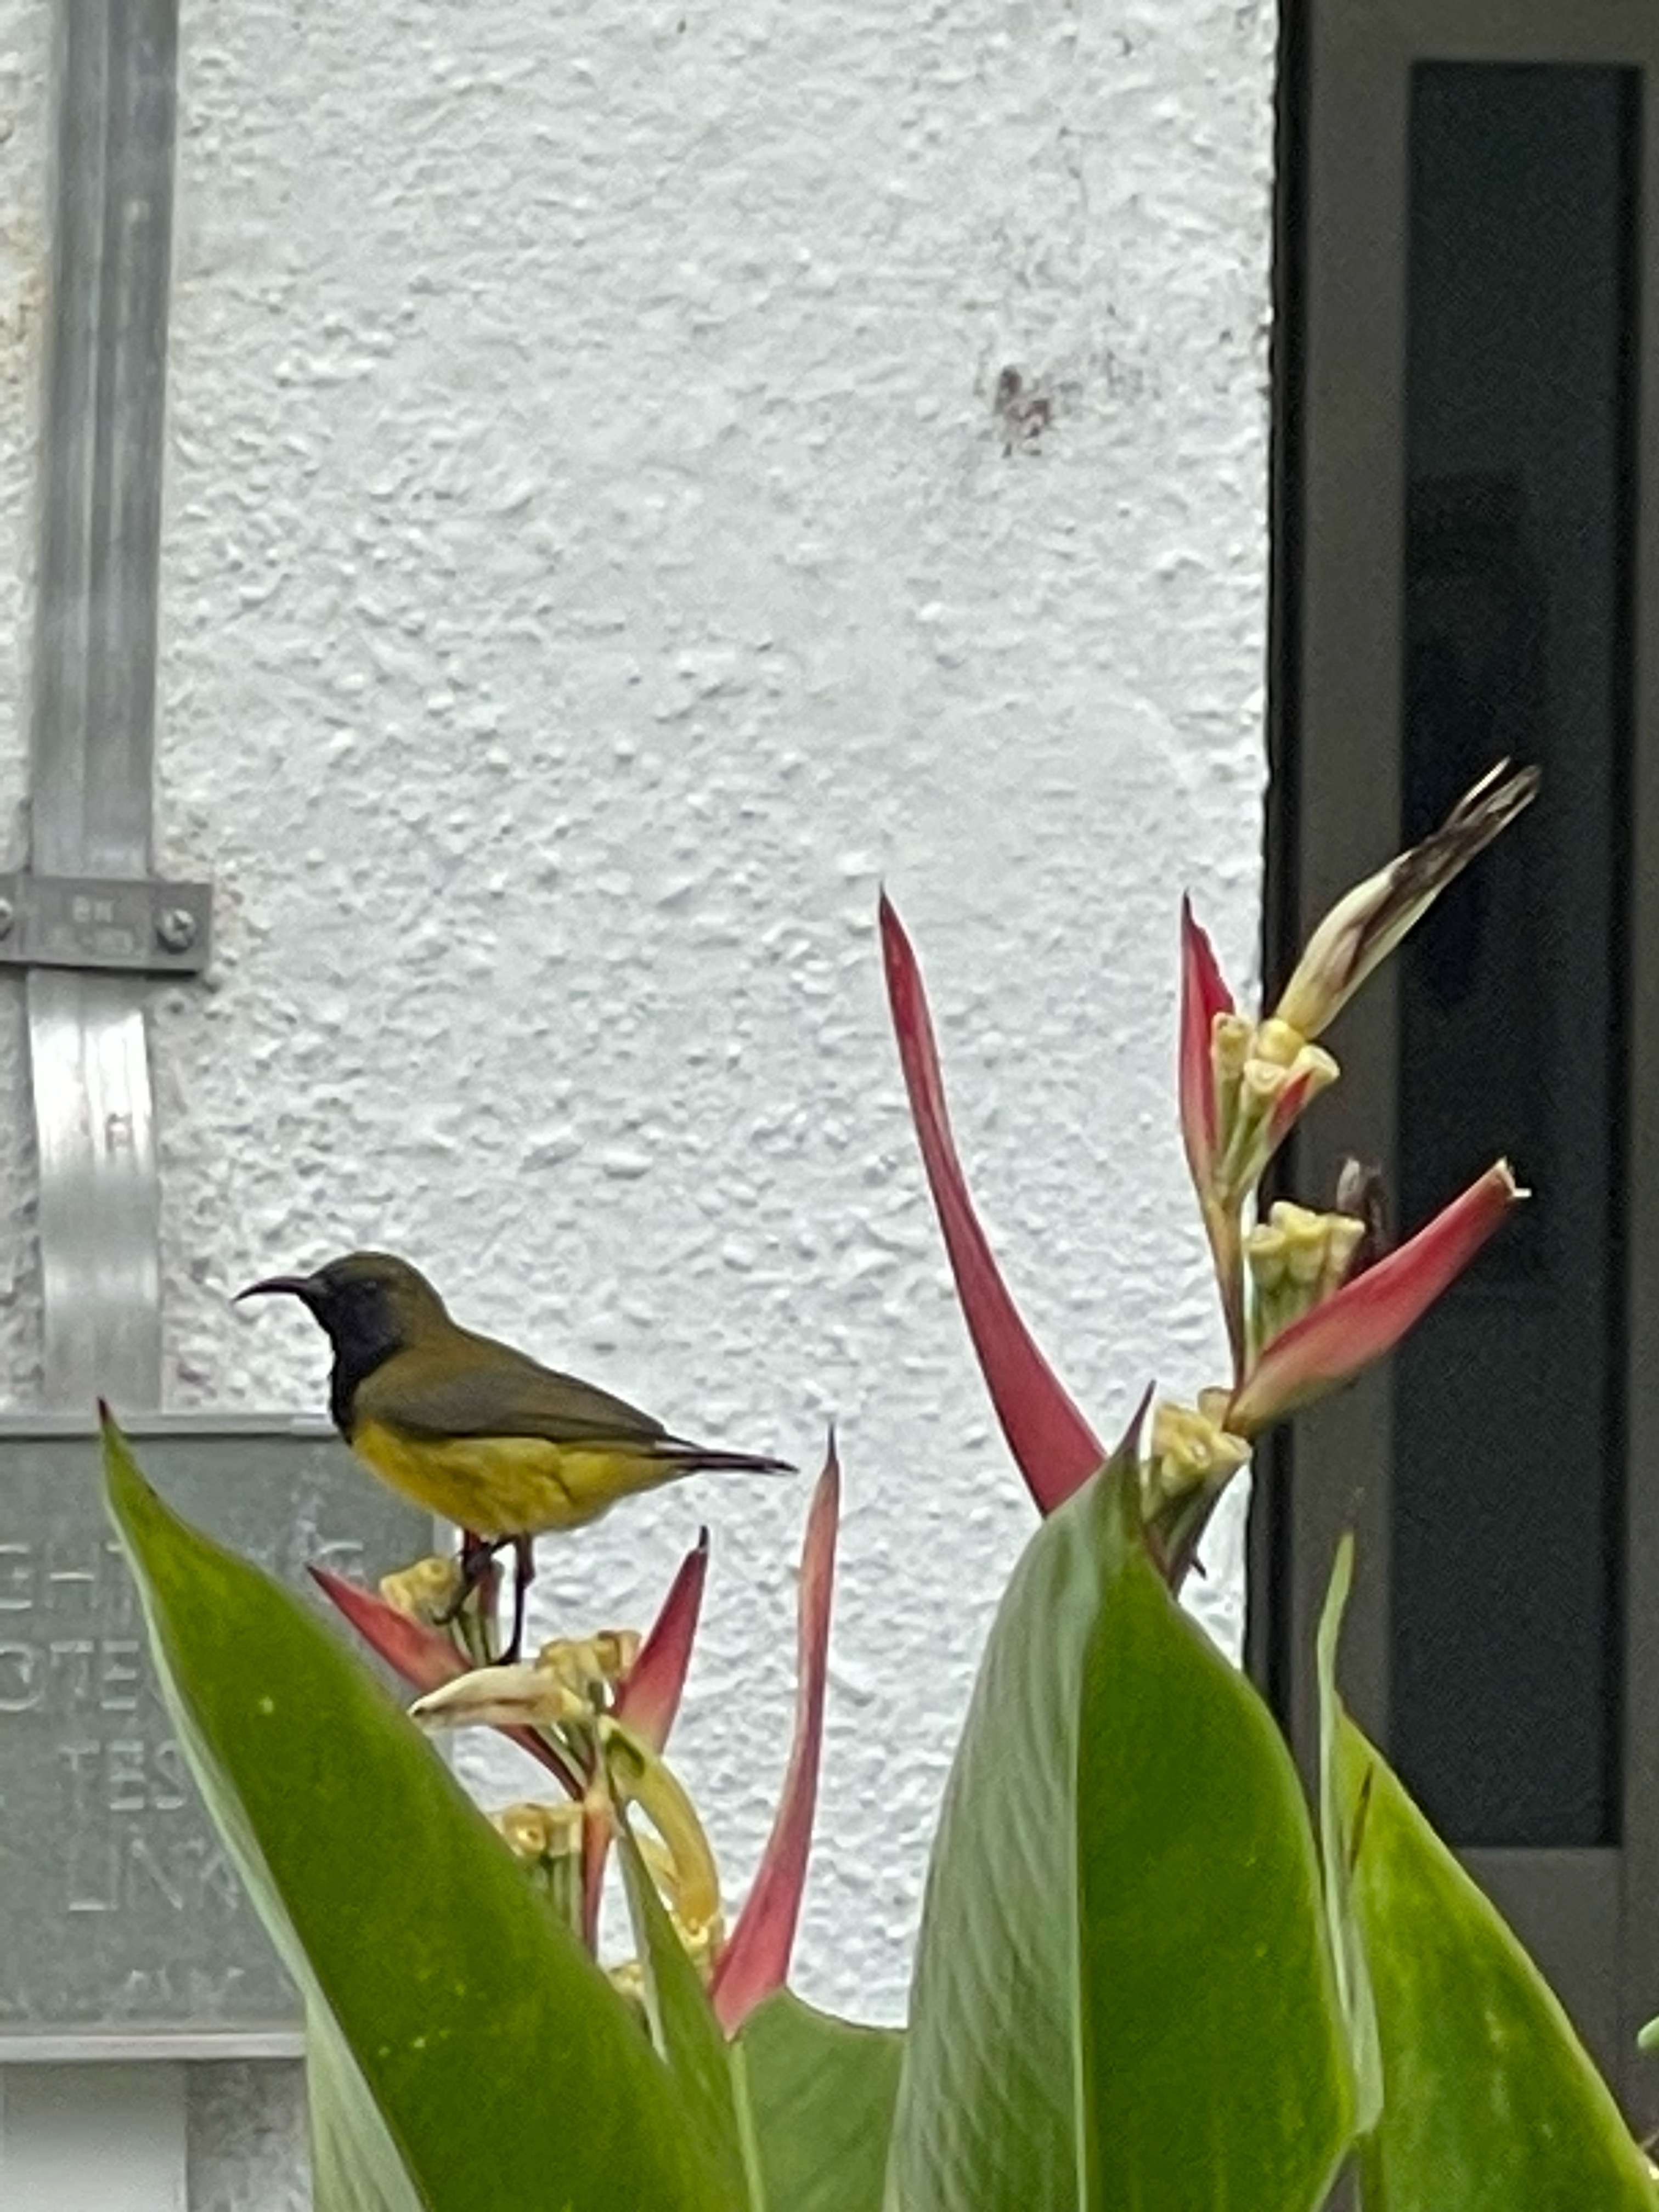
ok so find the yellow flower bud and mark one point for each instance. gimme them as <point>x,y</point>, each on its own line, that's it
<point>1263,1080</point>
<point>1344,1236</point>
<point>1277,1042</point>
<point>534,1832</point>
<point>1265,1247</point>
<point>1317,1068</point>
<point>1304,1249</point>
<point>427,1591</point>
<point>519,1696</point>
<point>1190,1451</point>
<point>614,1651</point>
<point>1229,1045</point>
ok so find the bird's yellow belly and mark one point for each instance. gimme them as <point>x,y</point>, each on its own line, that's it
<point>506,1485</point>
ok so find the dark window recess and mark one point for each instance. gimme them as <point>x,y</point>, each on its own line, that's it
<point>1507,1501</point>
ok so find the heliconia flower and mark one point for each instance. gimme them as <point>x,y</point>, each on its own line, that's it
<point>426,1658</point>
<point>756,1960</point>
<point>1362,929</point>
<point>647,1697</point>
<point>1370,1312</point>
<point>1190,1450</point>
<point>1054,1446</point>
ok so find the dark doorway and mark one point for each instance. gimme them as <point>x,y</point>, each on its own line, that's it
<point>1466,567</point>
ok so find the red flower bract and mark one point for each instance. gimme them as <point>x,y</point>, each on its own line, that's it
<point>1056,1449</point>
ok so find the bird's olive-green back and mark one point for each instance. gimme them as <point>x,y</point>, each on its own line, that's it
<point>451,1382</point>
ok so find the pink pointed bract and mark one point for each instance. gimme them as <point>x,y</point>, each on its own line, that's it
<point>756,1959</point>
<point>647,1699</point>
<point>1369,1316</point>
<point>649,1696</point>
<point>1204,995</point>
<point>1054,1447</point>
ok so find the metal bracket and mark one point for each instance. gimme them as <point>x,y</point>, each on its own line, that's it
<point>136,926</point>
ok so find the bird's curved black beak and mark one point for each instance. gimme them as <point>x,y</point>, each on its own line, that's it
<point>295,1286</point>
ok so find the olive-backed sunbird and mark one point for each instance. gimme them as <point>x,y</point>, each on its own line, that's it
<point>470,1428</point>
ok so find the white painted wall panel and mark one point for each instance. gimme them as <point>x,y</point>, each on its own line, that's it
<point>591,563</point>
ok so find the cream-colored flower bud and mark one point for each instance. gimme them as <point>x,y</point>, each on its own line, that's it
<point>519,1696</point>
<point>1279,1043</point>
<point>535,1831</point>
<point>1317,1069</point>
<point>1229,1045</point>
<point>427,1591</point>
<point>1363,929</point>
<point>1263,1081</point>
<point>1212,1403</point>
<point>1304,1251</point>
<point>702,1940</point>
<point>1343,1237</point>
<point>590,1665</point>
<point>614,1651</point>
<point>1296,1221</point>
<point>1265,1249</point>
<point>1189,1451</point>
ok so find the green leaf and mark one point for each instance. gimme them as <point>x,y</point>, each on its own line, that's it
<point>684,2026</point>
<point>795,2113</point>
<point>469,2056</point>
<point>1123,1995</point>
<point>818,2094</point>
<point>1214,2068</point>
<point>1353,1980</point>
<point>986,2113</point>
<point>1491,2102</point>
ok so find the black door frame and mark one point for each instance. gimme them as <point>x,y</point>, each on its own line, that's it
<point>1591,1915</point>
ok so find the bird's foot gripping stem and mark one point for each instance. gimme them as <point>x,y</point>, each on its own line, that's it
<point>478,1554</point>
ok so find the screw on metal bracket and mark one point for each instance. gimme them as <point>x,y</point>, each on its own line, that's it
<point>175,929</point>
<point>133,924</point>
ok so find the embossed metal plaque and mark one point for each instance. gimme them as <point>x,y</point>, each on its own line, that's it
<point>122,1925</point>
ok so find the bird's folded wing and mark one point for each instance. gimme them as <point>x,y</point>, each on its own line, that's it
<point>513,1396</point>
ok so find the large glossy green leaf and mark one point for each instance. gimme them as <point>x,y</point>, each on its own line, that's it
<point>1490,2102</point>
<point>471,2058</point>
<point>1122,1996</point>
<point>1214,2058</point>
<point>986,2118</point>
<point>818,2097</point>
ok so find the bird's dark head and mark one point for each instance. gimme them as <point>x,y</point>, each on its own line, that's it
<point>370,1305</point>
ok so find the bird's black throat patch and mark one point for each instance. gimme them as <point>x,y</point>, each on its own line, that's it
<point>365,1332</point>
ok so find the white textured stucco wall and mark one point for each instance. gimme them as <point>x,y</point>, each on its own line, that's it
<point>593,559</point>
